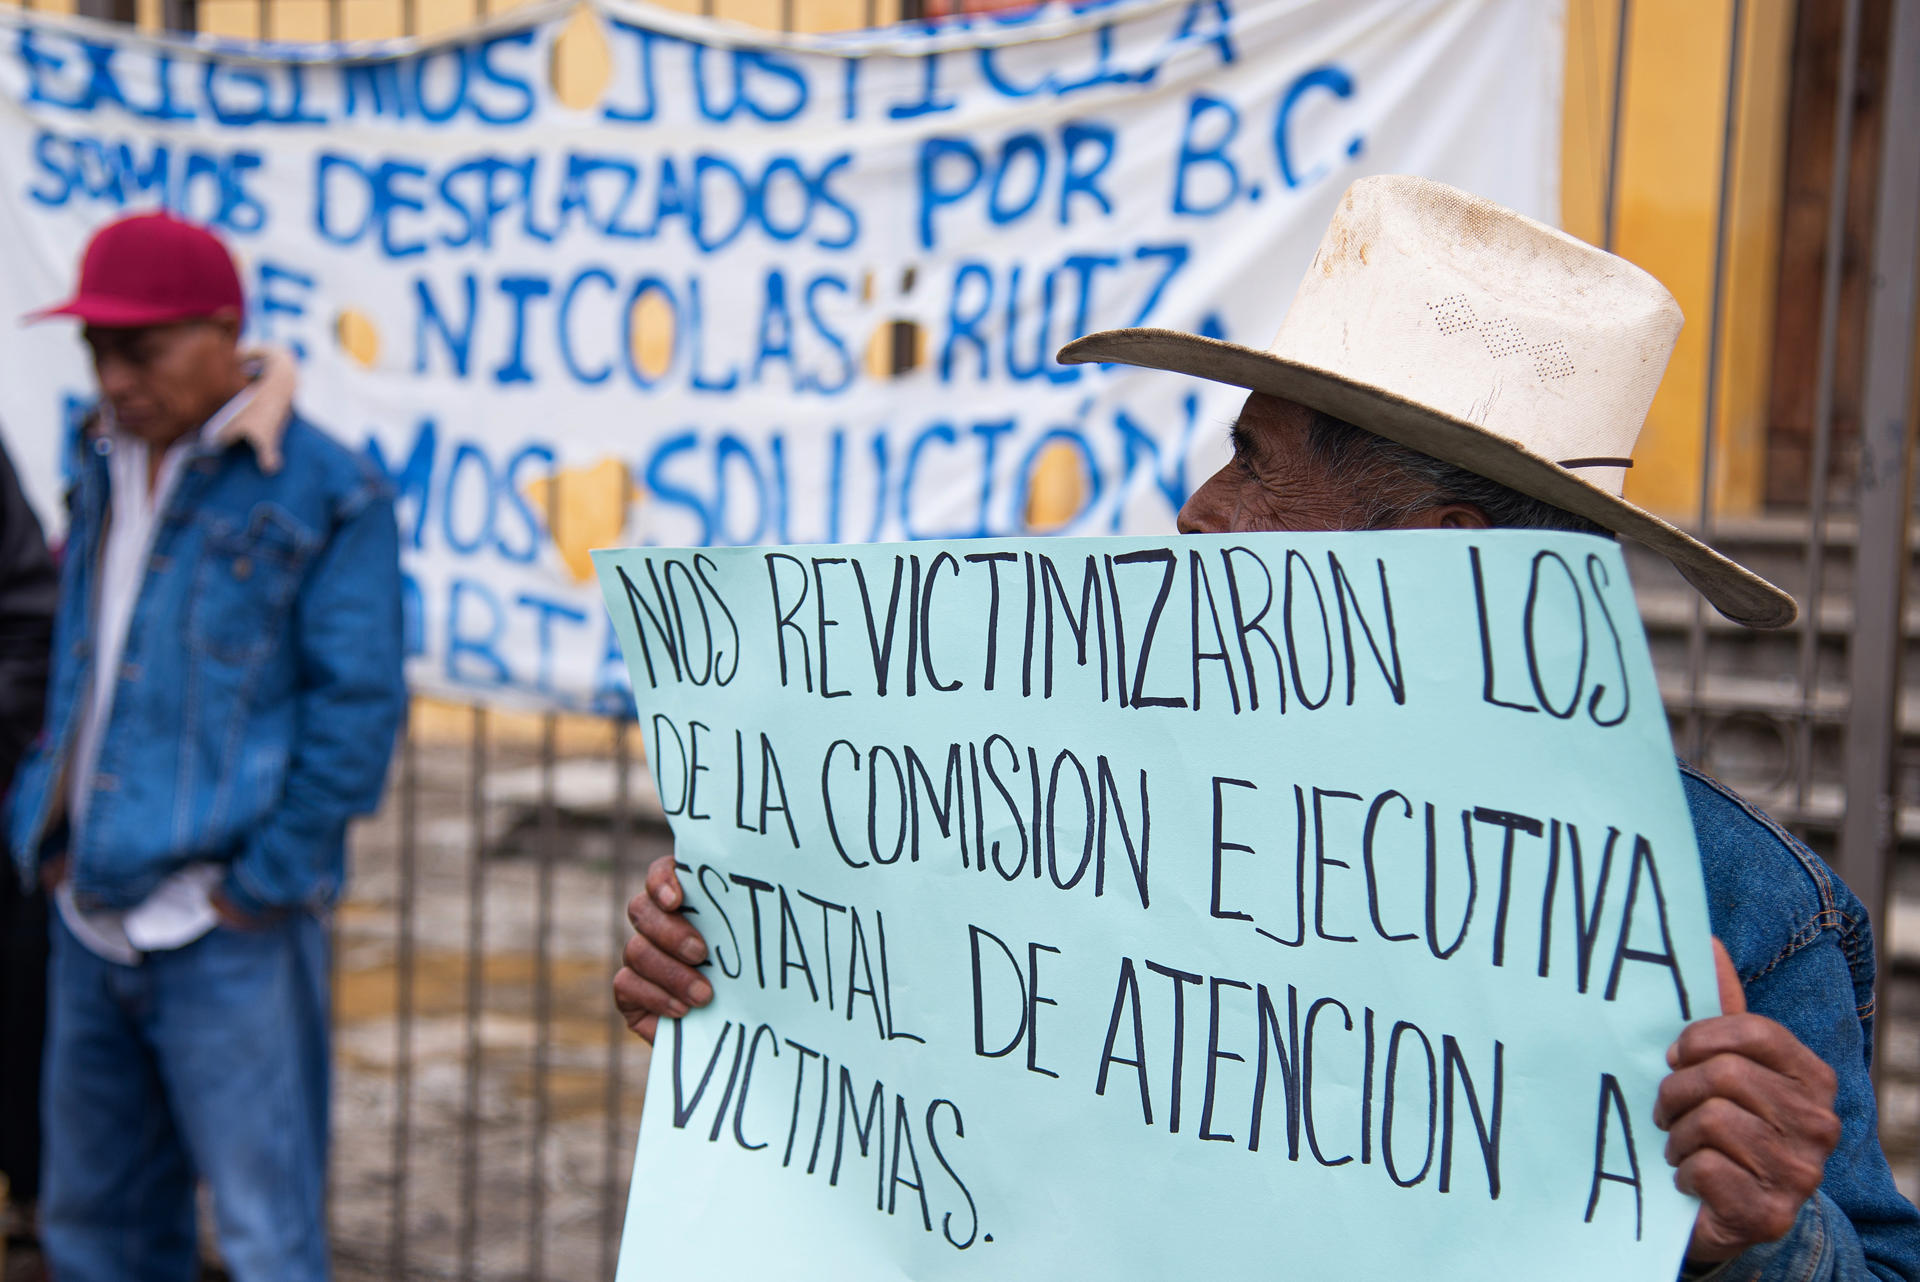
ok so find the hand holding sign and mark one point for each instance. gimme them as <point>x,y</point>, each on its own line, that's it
<point>1750,1122</point>
<point>656,976</point>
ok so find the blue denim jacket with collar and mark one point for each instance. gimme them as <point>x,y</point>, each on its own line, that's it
<point>260,690</point>
<point>1804,949</point>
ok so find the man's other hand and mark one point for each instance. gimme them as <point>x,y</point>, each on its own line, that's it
<point>1748,1112</point>
<point>657,975</point>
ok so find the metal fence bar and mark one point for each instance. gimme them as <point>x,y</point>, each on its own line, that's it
<point>546,855</point>
<point>1809,668</point>
<point>1869,830</point>
<point>1729,134</point>
<point>1609,209</point>
<point>613,1155</point>
<point>549,838</point>
<point>403,944</point>
<point>476,994</point>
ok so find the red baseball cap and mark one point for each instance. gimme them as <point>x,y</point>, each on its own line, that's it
<point>151,269</point>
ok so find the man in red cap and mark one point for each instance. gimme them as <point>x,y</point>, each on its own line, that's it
<point>225,691</point>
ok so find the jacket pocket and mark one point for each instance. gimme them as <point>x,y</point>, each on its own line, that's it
<point>244,585</point>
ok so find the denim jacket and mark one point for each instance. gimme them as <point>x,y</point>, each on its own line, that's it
<point>1804,950</point>
<point>260,690</point>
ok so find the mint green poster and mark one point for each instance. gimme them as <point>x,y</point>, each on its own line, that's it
<point>1252,906</point>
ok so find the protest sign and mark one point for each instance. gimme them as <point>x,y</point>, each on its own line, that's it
<point>1312,905</point>
<point>744,288</point>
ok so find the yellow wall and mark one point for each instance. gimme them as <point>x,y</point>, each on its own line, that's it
<point>1667,211</point>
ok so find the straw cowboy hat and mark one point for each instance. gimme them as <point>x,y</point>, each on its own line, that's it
<point>1482,338</point>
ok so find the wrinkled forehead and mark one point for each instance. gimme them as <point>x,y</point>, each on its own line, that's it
<point>1270,421</point>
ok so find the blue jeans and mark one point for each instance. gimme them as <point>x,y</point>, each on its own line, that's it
<point>208,1061</point>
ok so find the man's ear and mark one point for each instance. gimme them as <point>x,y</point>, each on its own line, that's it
<point>1448,516</point>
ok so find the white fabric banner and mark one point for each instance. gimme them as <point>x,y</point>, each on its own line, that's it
<point>667,306</point>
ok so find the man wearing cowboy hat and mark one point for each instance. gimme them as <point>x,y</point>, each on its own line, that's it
<point>1450,364</point>
<point>225,691</point>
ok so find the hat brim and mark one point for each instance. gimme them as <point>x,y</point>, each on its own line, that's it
<point>115,313</point>
<point>1734,590</point>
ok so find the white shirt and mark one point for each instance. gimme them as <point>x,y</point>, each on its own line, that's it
<point>180,910</point>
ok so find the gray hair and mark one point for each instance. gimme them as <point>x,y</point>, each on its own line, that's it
<point>1345,449</point>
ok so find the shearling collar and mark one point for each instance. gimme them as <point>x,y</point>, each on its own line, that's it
<point>262,422</point>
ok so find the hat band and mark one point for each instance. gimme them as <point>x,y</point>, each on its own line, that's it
<point>1596,462</point>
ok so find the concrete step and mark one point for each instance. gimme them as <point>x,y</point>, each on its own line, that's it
<point>1774,696</point>
<point>1669,609</point>
<point>583,789</point>
<point>1720,694</point>
<point>1665,609</point>
<point>1821,810</point>
<point>1901,930</point>
<point>1776,549</point>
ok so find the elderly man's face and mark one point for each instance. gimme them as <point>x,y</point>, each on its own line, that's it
<point>163,381</point>
<point>1275,481</point>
